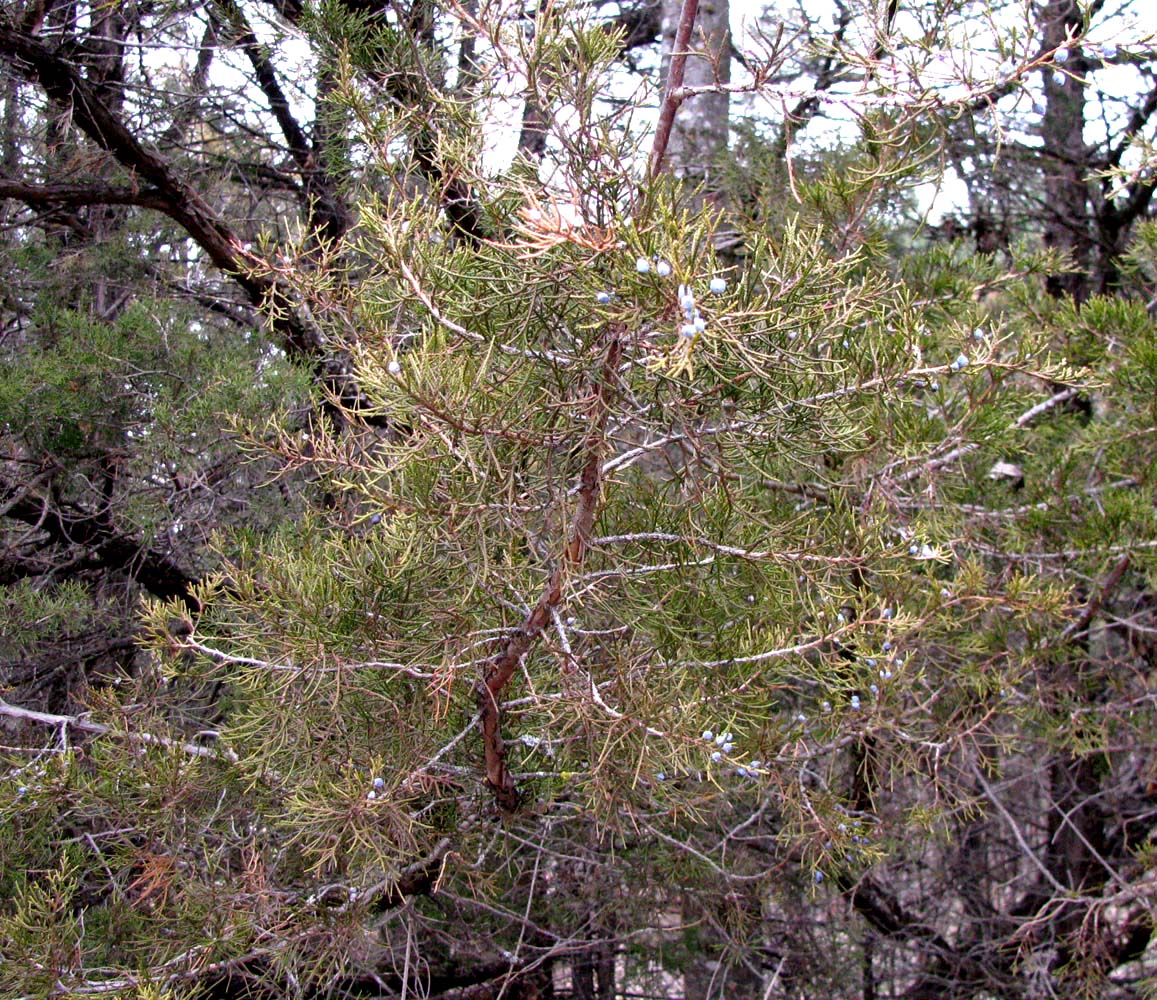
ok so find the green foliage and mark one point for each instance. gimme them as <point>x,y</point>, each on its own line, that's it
<point>796,539</point>
<point>778,593</point>
<point>55,612</point>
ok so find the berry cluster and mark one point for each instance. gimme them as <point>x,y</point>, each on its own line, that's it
<point>693,322</point>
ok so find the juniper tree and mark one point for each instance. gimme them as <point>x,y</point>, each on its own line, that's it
<point>643,602</point>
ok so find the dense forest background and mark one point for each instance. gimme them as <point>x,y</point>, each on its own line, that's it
<point>508,501</point>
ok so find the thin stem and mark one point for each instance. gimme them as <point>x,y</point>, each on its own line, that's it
<point>66,722</point>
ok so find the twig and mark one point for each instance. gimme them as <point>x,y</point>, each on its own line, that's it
<point>1028,852</point>
<point>1099,598</point>
<point>756,555</point>
<point>66,722</point>
<point>1019,423</point>
<point>1044,406</point>
<point>424,297</point>
<point>592,687</point>
<point>249,661</point>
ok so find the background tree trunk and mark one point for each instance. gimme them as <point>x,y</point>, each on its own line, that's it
<point>1068,224</point>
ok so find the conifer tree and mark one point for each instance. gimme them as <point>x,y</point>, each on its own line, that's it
<point>624,603</point>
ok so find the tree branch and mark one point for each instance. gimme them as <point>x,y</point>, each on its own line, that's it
<point>63,83</point>
<point>829,69</point>
<point>672,91</point>
<point>51,195</point>
<point>65,722</point>
<point>1112,581</point>
<point>502,666</point>
<point>326,212</point>
<point>159,574</point>
<point>1137,121</point>
<point>641,24</point>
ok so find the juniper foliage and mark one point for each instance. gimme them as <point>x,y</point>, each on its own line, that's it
<point>792,608</point>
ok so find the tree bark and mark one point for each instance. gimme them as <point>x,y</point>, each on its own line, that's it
<point>699,135</point>
<point>1068,223</point>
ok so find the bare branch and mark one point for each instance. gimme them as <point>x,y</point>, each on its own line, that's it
<point>63,83</point>
<point>672,92</point>
<point>65,722</point>
<point>157,572</point>
<point>50,195</point>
